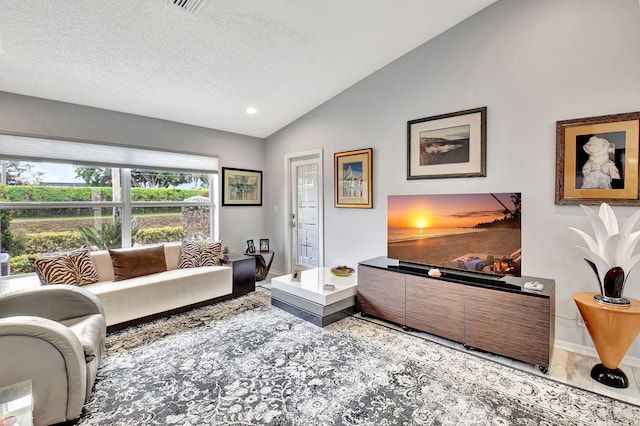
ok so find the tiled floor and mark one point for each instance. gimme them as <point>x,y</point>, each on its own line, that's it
<point>566,367</point>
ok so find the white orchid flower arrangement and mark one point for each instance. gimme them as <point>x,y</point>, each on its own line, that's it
<point>610,253</point>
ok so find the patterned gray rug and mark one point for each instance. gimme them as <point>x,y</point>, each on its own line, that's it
<point>244,362</point>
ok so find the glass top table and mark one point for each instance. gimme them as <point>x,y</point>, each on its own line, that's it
<point>310,300</point>
<point>16,404</point>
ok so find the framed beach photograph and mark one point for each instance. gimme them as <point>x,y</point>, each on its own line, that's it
<point>597,160</point>
<point>448,146</point>
<point>353,184</point>
<point>241,187</point>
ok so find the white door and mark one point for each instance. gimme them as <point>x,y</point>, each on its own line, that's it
<point>304,212</point>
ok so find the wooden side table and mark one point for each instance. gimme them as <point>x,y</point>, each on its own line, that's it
<point>612,329</point>
<point>244,273</point>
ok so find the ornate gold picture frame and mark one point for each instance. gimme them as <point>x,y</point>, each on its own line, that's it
<point>353,184</point>
<point>597,160</point>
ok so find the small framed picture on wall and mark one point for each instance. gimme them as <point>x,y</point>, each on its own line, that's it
<point>353,179</point>
<point>241,187</point>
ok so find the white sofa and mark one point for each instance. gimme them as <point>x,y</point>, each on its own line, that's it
<point>135,298</point>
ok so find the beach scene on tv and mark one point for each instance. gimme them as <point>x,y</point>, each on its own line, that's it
<point>475,232</point>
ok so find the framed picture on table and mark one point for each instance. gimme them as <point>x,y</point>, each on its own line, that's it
<point>597,160</point>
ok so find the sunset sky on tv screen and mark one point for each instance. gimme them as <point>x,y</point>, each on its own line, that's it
<point>445,211</point>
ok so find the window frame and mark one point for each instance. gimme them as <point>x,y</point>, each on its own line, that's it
<point>204,164</point>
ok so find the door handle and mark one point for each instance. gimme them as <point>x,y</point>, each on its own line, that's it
<point>293,220</point>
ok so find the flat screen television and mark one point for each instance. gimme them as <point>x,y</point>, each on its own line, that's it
<point>470,232</point>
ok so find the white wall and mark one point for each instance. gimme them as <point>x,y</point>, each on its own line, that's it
<point>531,63</point>
<point>23,114</point>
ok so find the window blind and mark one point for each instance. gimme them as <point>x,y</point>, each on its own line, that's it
<point>92,153</point>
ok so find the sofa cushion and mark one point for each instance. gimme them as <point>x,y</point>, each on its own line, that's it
<point>129,263</point>
<point>152,294</point>
<point>104,267</point>
<point>172,253</point>
<point>196,253</point>
<point>74,268</point>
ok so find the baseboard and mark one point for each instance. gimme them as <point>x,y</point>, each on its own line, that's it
<point>631,361</point>
<point>274,273</point>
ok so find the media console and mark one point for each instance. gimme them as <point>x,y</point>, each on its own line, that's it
<point>496,315</point>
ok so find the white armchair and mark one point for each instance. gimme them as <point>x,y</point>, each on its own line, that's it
<point>55,336</point>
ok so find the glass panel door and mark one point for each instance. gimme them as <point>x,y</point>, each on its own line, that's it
<point>303,244</point>
<point>306,217</point>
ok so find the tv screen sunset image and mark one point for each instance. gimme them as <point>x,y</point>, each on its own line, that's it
<point>479,232</point>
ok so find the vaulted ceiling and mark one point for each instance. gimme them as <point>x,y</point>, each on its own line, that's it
<point>205,68</point>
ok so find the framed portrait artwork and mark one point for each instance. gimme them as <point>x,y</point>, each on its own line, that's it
<point>353,185</point>
<point>597,160</point>
<point>241,187</point>
<point>448,145</point>
<point>264,244</point>
<point>251,247</point>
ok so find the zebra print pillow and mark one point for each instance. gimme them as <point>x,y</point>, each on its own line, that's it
<point>80,262</point>
<point>53,270</point>
<point>195,253</point>
<point>73,268</point>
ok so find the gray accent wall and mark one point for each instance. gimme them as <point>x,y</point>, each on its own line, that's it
<point>35,116</point>
<point>531,63</point>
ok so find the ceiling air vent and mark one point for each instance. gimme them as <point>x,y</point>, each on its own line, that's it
<point>192,6</point>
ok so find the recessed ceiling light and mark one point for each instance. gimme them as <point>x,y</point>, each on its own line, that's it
<point>251,110</point>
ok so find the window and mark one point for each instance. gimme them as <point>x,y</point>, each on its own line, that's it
<point>48,205</point>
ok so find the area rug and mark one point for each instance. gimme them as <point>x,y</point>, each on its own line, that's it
<point>245,362</point>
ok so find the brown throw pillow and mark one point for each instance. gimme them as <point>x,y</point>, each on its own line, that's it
<point>73,268</point>
<point>129,263</point>
<point>196,253</point>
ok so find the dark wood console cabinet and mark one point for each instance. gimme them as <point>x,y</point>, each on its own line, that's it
<point>244,273</point>
<point>503,318</point>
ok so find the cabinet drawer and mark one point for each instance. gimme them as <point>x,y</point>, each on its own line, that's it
<point>381,294</point>
<point>513,325</point>
<point>436,307</point>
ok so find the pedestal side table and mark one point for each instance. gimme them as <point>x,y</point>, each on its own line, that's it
<point>262,268</point>
<point>612,329</point>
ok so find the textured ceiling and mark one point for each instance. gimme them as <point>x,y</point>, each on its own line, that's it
<point>152,58</point>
